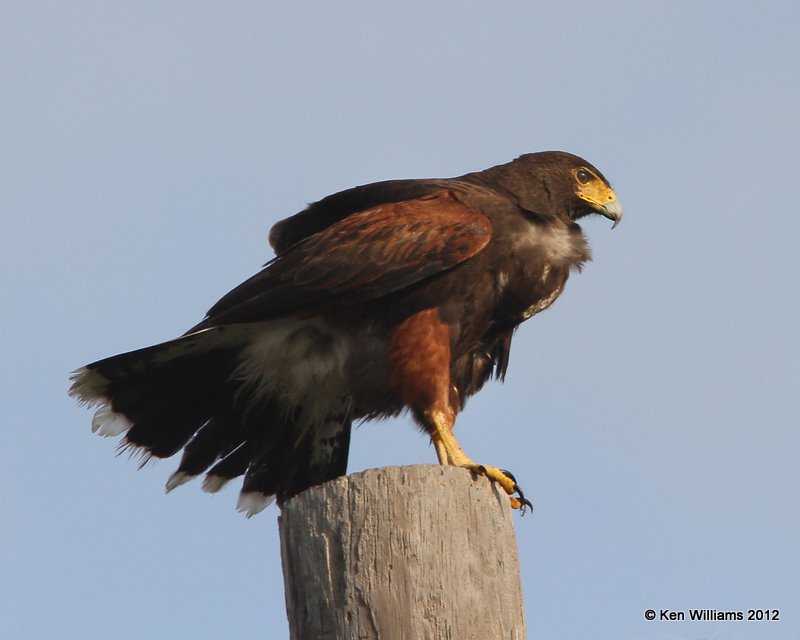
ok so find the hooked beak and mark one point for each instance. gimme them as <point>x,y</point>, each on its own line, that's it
<point>611,210</point>
<point>597,193</point>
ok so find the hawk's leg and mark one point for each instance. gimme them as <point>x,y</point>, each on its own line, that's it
<point>419,362</point>
<point>450,452</point>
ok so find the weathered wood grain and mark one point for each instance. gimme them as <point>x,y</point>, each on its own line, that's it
<point>402,553</point>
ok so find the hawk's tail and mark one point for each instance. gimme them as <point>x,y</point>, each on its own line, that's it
<point>184,394</point>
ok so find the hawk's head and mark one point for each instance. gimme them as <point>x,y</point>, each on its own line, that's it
<point>561,184</point>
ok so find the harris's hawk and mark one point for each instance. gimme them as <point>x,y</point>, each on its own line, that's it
<point>390,296</point>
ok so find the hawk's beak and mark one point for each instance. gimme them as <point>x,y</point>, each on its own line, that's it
<point>611,210</point>
<point>601,198</point>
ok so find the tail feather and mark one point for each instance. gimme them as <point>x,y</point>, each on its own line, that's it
<point>231,466</point>
<point>215,439</point>
<point>188,394</point>
<point>169,404</point>
<point>318,457</point>
<point>159,396</point>
<point>255,426</point>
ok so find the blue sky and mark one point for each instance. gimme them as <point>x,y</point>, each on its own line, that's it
<point>651,414</point>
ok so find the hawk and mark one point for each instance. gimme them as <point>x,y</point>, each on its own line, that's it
<point>392,296</point>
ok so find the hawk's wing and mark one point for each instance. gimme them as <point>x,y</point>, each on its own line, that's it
<point>336,207</point>
<point>362,257</point>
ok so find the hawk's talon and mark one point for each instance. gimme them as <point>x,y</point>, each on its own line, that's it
<point>524,504</point>
<point>521,500</point>
<point>509,474</point>
<point>508,483</point>
<point>518,501</point>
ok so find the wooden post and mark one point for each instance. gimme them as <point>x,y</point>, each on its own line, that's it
<point>402,553</point>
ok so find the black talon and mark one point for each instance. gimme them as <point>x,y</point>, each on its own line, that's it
<point>523,502</point>
<point>509,475</point>
<point>482,469</point>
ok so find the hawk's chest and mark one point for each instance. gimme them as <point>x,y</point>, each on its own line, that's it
<point>537,266</point>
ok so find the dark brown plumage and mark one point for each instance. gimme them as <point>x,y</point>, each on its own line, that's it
<point>394,295</point>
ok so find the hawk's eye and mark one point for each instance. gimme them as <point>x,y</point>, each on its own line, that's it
<point>583,176</point>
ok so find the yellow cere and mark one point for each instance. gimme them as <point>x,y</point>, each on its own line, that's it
<point>592,189</point>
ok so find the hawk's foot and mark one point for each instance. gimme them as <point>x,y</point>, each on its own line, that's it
<point>509,484</point>
<point>450,452</point>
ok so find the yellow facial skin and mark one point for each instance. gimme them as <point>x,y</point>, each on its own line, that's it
<point>598,194</point>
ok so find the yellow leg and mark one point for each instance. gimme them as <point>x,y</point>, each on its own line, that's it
<point>450,452</point>
<point>441,450</point>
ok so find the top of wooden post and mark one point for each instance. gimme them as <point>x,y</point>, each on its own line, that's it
<point>419,552</point>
